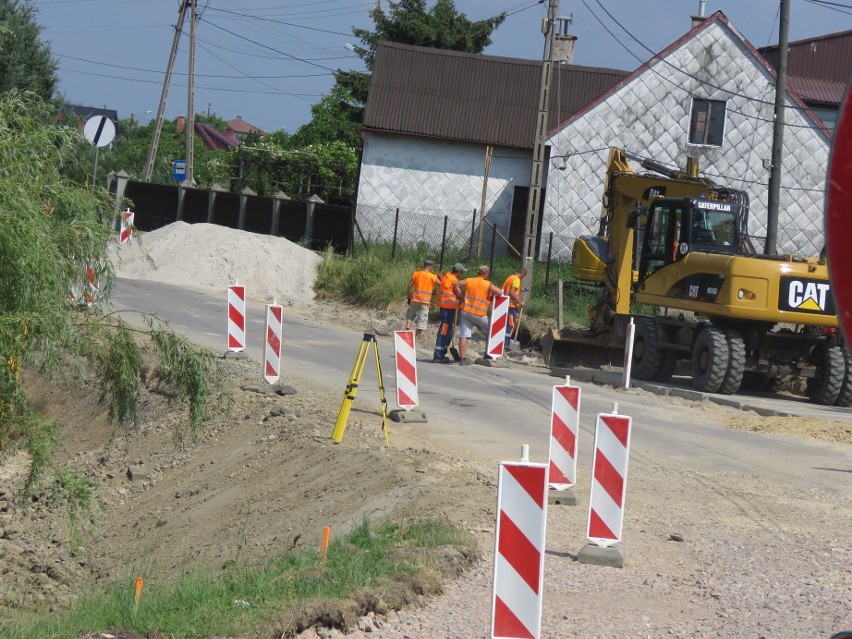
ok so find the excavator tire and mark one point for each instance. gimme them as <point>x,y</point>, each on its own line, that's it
<point>668,366</point>
<point>710,360</point>
<point>844,398</point>
<point>825,388</point>
<point>646,350</point>
<point>736,363</point>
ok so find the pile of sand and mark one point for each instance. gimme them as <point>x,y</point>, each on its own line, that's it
<point>212,257</point>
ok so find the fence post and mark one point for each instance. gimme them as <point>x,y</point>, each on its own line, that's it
<point>493,239</point>
<point>244,196</point>
<point>443,244</point>
<point>277,201</point>
<point>472,231</point>
<point>559,318</point>
<point>395,227</point>
<point>181,198</point>
<point>309,218</point>
<point>547,270</point>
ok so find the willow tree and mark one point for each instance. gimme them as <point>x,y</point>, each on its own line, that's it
<point>53,235</point>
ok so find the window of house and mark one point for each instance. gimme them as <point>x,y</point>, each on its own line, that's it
<point>707,122</point>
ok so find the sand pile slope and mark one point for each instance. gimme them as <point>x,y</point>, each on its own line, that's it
<point>211,257</point>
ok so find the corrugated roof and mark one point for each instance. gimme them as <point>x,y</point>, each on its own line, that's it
<point>214,138</point>
<point>822,91</point>
<point>470,97</point>
<point>827,57</point>
<point>238,125</point>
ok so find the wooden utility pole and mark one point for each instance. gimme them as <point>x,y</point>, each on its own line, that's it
<point>158,126</point>
<point>190,100</point>
<point>771,246</point>
<point>489,151</point>
<point>537,174</point>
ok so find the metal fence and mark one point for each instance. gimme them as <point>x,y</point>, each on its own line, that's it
<point>456,234</point>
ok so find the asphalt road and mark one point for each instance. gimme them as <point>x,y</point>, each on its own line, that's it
<point>488,413</point>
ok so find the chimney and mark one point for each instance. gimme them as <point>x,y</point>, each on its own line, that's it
<point>181,123</point>
<point>563,49</point>
<point>701,17</point>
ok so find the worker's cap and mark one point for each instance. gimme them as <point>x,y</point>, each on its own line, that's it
<point>428,262</point>
<point>459,267</point>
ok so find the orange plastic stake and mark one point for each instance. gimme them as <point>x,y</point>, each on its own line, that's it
<point>326,535</point>
<point>138,595</point>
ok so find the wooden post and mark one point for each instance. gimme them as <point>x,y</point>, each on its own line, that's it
<point>559,311</point>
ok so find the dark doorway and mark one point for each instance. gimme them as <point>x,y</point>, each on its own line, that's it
<point>520,196</point>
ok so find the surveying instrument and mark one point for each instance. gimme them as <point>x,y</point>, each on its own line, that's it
<point>352,389</point>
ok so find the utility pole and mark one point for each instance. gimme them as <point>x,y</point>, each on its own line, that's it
<point>158,127</point>
<point>190,101</point>
<point>537,174</point>
<point>777,133</point>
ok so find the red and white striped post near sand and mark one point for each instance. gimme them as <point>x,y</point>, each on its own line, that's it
<point>405,357</point>
<point>497,325</point>
<point>519,550</point>
<point>126,227</point>
<point>236,318</point>
<point>272,349</point>
<point>564,428</point>
<point>609,478</point>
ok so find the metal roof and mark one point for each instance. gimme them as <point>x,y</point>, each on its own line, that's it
<point>474,98</point>
<point>822,91</point>
<point>827,57</point>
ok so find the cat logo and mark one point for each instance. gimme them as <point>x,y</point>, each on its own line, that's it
<point>810,296</point>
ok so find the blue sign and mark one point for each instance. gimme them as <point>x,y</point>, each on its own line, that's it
<point>179,170</point>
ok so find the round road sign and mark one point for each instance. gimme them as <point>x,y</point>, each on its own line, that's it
<point>99,130</point>
<point>838,217</point>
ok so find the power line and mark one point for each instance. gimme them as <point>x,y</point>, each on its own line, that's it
<point>289,24</point>
<point>834,6</point>
<point>690,75</point>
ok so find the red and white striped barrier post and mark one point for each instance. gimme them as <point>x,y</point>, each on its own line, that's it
<point>236,318</point>
<point>272,349</point>
<point>628,353</point>
<point>609,487</point>
<point>126,229</point>
<point>497,326</point>
<point>405,357</point>
<point>519,549</point>
<point>564,430</point>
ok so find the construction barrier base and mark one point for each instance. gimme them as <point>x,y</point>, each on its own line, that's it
<point>235,355</point>
<point>412,416</point>
<point>562,497</point>
<point>611,556</point>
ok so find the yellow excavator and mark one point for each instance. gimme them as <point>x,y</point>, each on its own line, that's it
<point>673,253</point>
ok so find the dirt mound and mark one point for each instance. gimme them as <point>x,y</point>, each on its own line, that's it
<point>211,257</point>
<point>263,477</point>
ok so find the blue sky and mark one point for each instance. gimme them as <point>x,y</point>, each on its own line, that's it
<point>270,60</point>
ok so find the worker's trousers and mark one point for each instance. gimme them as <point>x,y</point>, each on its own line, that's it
<point>510,325</point>
<point>445,332</point>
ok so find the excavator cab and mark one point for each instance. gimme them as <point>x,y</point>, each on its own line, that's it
<point>673,227</point>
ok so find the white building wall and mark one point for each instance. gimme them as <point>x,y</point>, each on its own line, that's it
<point>428,179</point>
<point>650,116</point>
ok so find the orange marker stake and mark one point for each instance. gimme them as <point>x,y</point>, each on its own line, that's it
<point>138,595</point>
<point>326,535</point>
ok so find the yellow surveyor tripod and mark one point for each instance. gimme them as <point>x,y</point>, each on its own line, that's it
<point>352,389</point>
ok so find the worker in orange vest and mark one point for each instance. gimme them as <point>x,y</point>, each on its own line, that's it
<point>476,293</point>
<point>420,290</point>
<point>513,285</point>
<point>448,303</point>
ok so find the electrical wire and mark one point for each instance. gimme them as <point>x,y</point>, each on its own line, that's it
<point>699,80</point>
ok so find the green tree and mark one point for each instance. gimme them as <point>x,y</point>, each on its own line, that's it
<point>25,60</point>
<point>52,231</point>
<point>339,115</point>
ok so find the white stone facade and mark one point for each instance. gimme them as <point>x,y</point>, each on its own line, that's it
<point>428,179</point>
<point>650,114</point>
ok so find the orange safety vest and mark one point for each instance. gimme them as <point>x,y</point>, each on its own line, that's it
<point>424,284</point>
<point>476,296</point>
<point>512,283</point>
<point>446,296</point>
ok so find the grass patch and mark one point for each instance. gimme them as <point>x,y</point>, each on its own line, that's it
<point>377,277</point>
<point>245,600</point>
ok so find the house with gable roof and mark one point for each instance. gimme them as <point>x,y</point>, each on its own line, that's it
<point>710,95</point>
<point>438,122</point>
